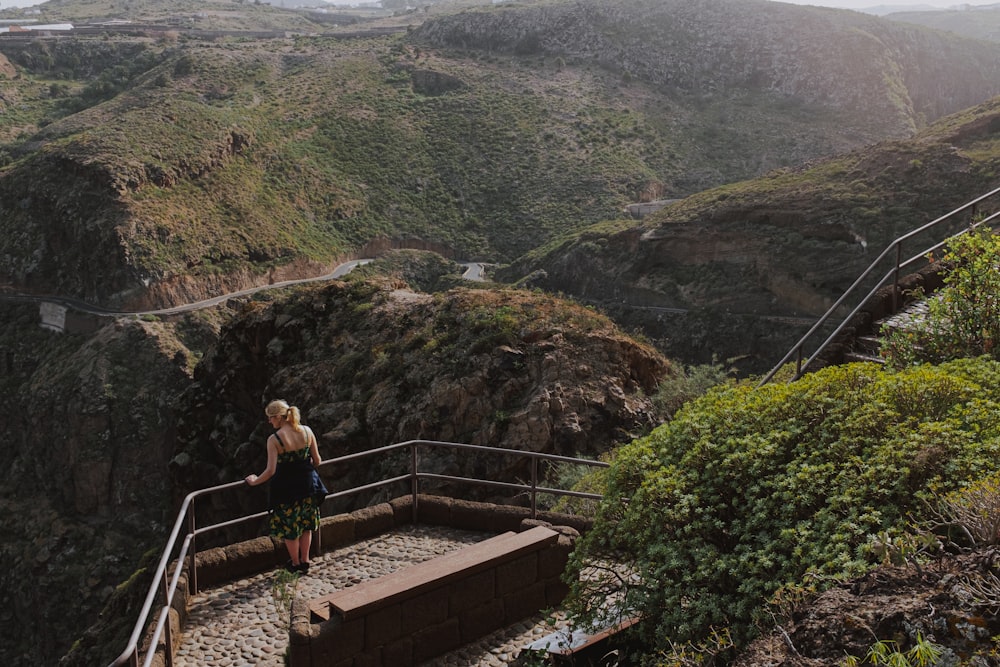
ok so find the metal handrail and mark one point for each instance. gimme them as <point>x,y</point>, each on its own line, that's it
<point>130,655</point>
<point>893,249</point>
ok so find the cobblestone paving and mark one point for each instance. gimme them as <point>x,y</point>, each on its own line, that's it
<point>238,625</point>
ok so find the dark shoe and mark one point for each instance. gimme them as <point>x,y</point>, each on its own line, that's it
<point>289,567</point>
<point>302,568</point>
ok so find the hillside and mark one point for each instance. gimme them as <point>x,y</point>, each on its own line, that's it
<point>150,171</point>
<point>786,245</point>
<point>971,21</point>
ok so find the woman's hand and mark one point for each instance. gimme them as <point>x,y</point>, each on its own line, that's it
<point>250,479</point>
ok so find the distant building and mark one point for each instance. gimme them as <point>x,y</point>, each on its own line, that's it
<point>53,316</point>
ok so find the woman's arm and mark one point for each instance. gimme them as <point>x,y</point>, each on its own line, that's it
<point>313,447</point>
<point>272,464</point>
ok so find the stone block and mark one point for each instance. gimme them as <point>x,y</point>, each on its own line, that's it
<point>434,510</point>
<point>552,561</point>
<point>555,592</point>
<point>481,621</point>
<point>516,574</point>
<point>299,635</point>
<point>435,640</point>
<point>424,610</point>
<point>382,626</point>
<point>398,653</point>
<point>507,517</point>
<point>250,557</point>
<point>469,515</point>
<point>211,558</point>
<point>880,304</point>
<point>372,521</point>
<point>371,658</point>
<point>336,531</point>
<point>581,524</point>
<point>402,510</point>
<point>523,603</point>
<point>336,640</point>
<point>910,282</point>
<point>474,591</point>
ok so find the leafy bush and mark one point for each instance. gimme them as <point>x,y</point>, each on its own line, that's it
<point>749,489</point>
<point>963,318</point>
<point>688,383</point>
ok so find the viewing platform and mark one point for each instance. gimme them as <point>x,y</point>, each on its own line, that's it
<point>416,580</point>
<point>238,624</point>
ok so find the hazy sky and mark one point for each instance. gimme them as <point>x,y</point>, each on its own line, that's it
<point>846,4</point>
<point>861,4</point>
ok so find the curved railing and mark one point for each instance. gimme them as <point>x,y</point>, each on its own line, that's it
<point>164,584</point>
<point>892,257</point>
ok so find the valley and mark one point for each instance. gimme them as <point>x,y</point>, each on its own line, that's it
<point>145,169</point>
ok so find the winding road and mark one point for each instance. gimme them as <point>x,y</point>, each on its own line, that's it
<point>473,271</point>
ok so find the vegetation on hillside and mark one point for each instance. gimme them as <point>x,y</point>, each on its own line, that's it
<point>749,490</point>
<point>970,21</point>
<point>183,159</point>
<point>786,245</point>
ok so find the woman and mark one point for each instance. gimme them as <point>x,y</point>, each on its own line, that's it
<point>296,489</point>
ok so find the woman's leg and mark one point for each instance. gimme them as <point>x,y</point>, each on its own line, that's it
<point>293,547</point>
<point>305,543</point>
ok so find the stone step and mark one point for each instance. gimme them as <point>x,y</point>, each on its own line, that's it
<point>850,357</point>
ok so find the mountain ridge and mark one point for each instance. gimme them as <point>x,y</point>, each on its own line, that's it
<point>185,168</point>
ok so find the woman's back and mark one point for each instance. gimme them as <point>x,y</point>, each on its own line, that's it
<point>290,440</point>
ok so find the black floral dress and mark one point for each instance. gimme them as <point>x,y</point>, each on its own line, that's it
<point>289,519</point>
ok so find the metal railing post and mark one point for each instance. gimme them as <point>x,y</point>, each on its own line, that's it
<point>414,479</point>
<point>192,562</point>
<point>168,641</point>
<point>534,487</point>
<point>895,277</point>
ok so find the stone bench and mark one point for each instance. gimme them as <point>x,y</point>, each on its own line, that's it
<point>433,607</point>
<point>412,581</point>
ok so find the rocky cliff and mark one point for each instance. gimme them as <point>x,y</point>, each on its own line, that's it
<point>87,436</point>
<point>372,365</point>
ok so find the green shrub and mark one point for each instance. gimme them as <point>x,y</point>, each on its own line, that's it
<point>886,652</point>
<point>963,318</point>
<point>751,489</point>
<point>688,383</point>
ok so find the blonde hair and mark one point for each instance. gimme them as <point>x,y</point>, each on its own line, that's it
<point>279,408</point>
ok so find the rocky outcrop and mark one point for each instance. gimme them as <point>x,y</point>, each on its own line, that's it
<point>372,365</point>
<point>7,70</point>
